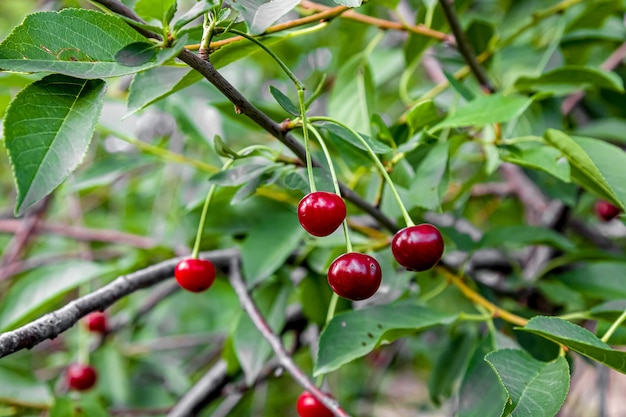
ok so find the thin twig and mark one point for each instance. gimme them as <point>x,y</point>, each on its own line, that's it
<point>463,45</point>
<point>52,324</point>
<point>283,357</point>
<point>24,233</point>
<point>206,389</point>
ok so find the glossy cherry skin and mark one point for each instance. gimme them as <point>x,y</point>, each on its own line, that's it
<point>309,406</point>
<point>97,322</point>
<point>195,275</point>
<point>606,211</point>
<point>321,213</point>
<point>354,276</point>
<point>418,248</point>
<point>80,377</point>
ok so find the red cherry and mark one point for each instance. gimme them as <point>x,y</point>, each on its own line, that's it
<point>606,211</point>
<point>321,213</point>
<point>80,377</point>
<point>97,322</point>
<point>195,275</point>
<point>354,276</point>
<point>418,247</point>
<point>309,406</point>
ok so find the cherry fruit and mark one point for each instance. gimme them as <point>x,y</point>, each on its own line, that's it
<point>418,247</point>
<point>195,275</point>
<point>96,322</point>
<point>354,276</point>
<point>321,213</point>
<point>309,406</point>
<point>606,211</point>
<point>80,377</point>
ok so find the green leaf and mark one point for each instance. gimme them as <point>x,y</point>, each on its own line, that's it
<point>602,280</point>
<point>284,101</point>
<point>494,108</point>
<point>422,114</point>
<point>196,11</point>
<point>240,174</point>
<point>353,94</point>
<point>351,335</point>
<point>431,181</point>
<point>610,310</point>
<point>154,9</point>
<point>578,339</point>
<point>20,387</point>
<point>136,53</point>
<point>76,42</point>
<point>41,286</point>
<point>535,155</point>
<point>47,131</point>
<point>535,388</point>
<point>570,78</point>
<point>596,165</point>
<point>251,347</point>
<point>269,244</point>
<point>523,235</point>
<point>458,86</point>
<point>613,129</point>
<point>340,132</point>
<point>260,14</point>
<point>349,3</point>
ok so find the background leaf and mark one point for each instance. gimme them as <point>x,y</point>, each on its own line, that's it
<point>47,131</point>
<point>20,387</point>
<point>569,78</point>
<point>260,14</point>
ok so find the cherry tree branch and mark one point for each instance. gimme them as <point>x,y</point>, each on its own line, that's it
<point>282,355</point>
<point>52,324</point>
<point>463,45</point>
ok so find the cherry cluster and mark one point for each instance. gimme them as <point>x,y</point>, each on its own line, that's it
<point>357,276</point>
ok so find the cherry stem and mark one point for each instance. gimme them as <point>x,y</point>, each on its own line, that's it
<point>332,306</point>
<point>379,165</point>
<point>614,327</point>
<point>205,210</point>
<point>307,146</point>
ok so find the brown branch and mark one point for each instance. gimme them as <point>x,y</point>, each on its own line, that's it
<point>281,353</point>
<point>23,234</point>
<point>420,29</point>
<point>463,45</point>
<point>52,324</point>
<point>82,233</point>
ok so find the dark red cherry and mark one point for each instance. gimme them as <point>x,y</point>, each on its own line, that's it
<point>97,322</point>
<point>309,406</point>
<point>606,211</point>
<point>418,247</point>
<point>195,275</point>
<point>321,213</point>
<point>80,377</point>
<point>354,276</point>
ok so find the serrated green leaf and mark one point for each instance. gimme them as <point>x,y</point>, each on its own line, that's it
<point>47,131</point>
<point>154,9</point>
<point>351,335</point>
<point>569,78</point>
<point>75,42</point>
<point>578,339</point>
<point>41,286</point>
<point>20,387</point>
<point>260,14</point>
<point>340,132</point>
<point>269,244</point>
<point>523,235</point>
<point>250,346</point>
<point>535,155</point>
<point>284,101</point>
<point>596,165</point>
<point>494,108</point>
<point>535,388</point>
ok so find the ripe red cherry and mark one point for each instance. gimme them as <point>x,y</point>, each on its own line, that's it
<point>606,211</point>
<point>80,377</point>
<point>97,322</point>
<point>195,275</point>
<point>354,276</point>
<point>321,213</point>
<point>309,406</point>
<point>418,247</point>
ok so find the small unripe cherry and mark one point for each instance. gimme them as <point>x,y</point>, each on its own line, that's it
<point>97,322</point>
<point>606,211</point>
<point>80,377</point>
<point>195,275</point>
<point>309,406</point>
<point>418,248</point>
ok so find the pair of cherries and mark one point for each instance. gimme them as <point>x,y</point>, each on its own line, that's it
<point>357,276</point>
<point>79,376</point>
